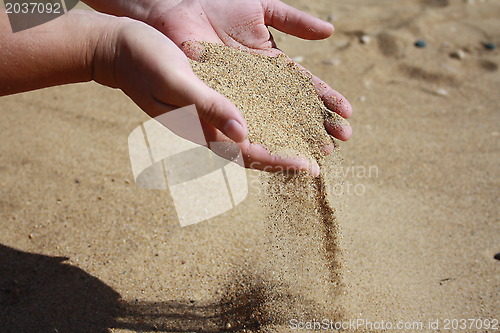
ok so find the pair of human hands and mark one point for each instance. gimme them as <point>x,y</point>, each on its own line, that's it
<point>148,64</point>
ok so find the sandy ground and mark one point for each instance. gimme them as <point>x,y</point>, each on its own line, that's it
<point>83,249</point>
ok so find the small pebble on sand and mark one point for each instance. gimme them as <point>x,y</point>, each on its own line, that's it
<point>365,39</point>
<point>458,54</point>
<point>497,256</point>
<point>442,92</point>
<point>490,46</point>
<point>331,18</point>
<point>331,62</point>
<point>420,43</point>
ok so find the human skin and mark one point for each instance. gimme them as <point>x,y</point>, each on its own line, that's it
<point>242,24</point>
<point>122,53</point>
<point>117,52</point>
<point>235,23</point>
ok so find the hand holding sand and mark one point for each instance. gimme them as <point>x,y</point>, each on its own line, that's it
<point>240,24</point>
<point>117,52</point>
<point>151,69</point>
<point>138,67</point>
<point>243,24</point>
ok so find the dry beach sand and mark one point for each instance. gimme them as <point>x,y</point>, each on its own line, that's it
<point>83,249</point>
<point>285,114</point>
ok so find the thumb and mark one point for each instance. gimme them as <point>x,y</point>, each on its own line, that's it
<point>292,21</point>
<point>213,107</point>
<point>217,110</point>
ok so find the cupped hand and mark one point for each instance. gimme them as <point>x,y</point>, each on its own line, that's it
<point>244,24</point>
<point>157,76</point>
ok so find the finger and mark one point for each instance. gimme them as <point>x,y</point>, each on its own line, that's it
<point>328,149</point>
<point>220,112</point>
<point>339,129</point>
<point>335,122</point>
<point>295,22</point>
<point>173,82</point>
<point>332,98</point>
<point>258,157</point>
<point>211,106</point>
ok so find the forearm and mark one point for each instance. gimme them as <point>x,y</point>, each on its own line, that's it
<point>59,52</point>
<point>137,9</point>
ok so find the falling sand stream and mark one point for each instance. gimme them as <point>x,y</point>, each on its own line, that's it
<point>299,272</point>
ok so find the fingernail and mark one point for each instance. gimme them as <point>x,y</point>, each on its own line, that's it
<point>234,130</point>
<point>327,150</point>
<point>314,169</point>
<point>344,126</point>
<point>339,128</point>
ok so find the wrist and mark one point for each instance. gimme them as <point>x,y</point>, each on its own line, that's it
<point>103,49</point>
<point>115,50</point>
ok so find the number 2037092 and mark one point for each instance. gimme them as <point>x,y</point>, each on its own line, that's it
<point>33,8</point>
<point>471,324</point>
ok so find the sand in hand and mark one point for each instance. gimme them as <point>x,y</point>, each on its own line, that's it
<point>284,113</point>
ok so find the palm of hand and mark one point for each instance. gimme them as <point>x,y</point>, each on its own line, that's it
<point>236,23</point>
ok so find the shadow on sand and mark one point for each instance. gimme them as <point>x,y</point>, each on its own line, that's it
<point>40,293</point>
